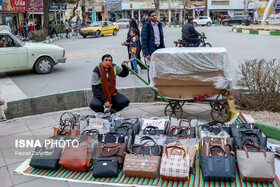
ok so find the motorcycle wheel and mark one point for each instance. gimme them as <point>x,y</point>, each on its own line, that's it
<point>207,45</point>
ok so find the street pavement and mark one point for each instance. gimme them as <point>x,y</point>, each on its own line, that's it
<point>84,54</point>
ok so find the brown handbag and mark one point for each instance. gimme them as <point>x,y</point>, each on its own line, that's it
<point>112,149</point>
<point>227,141</point>
<point>77,158</point>
<point>216,151</point>
<point>67,119</point>
<point>182,130</point>
<point>136,165</point>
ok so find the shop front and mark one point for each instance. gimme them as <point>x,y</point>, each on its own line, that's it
<point>137,10</point>
<point>57,11</point>
<point>35,13</point>
<point>114,10</point>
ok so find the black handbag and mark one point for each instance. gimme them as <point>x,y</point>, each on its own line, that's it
<point>218,167</point>
<point>253,134</point>
<point>111,137</point>
<point>145,150</point>
<point>105,167</point>
<point>46,158</point>
<point>182,130</point>
<point>236,128</point>
<point>216,127</point>
<point>124,128</point>
<point>151,130</point>
<point>133,122</point>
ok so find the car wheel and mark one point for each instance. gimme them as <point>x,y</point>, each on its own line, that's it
<point>115,32</point>
<point>194,24</point>
<point>98,33</point>
<point>44,65</point>
<point>208,24</point>
<point>226,23</point>
<point>84,36</point>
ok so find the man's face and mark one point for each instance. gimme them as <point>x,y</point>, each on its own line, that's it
<point>191,22</point>
<point>107,62</point>
<point>153,17</point>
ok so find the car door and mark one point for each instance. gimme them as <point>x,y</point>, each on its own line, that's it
<point>199,20</point>
<point>110,27</point>
<point>13,55</point>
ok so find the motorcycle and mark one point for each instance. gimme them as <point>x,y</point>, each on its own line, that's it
<point>184,43</point>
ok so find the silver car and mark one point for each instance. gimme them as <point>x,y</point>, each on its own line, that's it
<point>123,23</point>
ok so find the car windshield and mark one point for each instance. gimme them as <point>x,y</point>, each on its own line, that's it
<point>96,24</point>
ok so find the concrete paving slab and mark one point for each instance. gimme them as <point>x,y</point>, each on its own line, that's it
<point>5,177</point>
<point>78,184</point>
<point>16,178</point>
<point>44,133</point>
<point>11,155</point>
<point>44,183</point>
<point>12,127</point>
<point>37,123</point>
<point>133,112</point>
<point>2,160</point>
<point>9,141</point>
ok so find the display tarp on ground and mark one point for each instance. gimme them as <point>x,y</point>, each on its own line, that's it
<point>195,64</point>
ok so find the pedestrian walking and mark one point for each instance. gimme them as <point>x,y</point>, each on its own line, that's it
<point>67,28</point>
<point>164,20</point>
<point>53,29</point>
<point>20,31</point>
<point>26,28</point>
<point>152,35</point>
<point>31,27</point>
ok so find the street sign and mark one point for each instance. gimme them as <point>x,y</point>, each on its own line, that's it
<point>198,12</point>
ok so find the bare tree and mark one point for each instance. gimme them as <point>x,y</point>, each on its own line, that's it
<point>46,15</point>
<point>185,4</point>
<point>83,8</point>
<point>246,5</point>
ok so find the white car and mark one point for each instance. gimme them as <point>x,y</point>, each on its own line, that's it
<point>202,20</point>
<point>16,55</point>
<point>273,19</point>
<point>122,23</point>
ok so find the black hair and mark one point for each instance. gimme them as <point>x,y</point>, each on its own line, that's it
<point>190,19</point>
<point>107,55</point>
<point>150,12</point>
<point>134,30</point>
<point>143,20</point>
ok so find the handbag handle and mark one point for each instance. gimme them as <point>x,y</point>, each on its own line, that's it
<point>142,147</point>
<point>183,136</point>
<point>248,139</point>
<point>211,143</point>
<point>219,147</point>
<point>244,133</point>
<point>127,119</point>
<point>90,132</point>
<point>111,111</point>
<point>147,138</point>
<point>174,147</point>
<point>116,147</point>
<point>151,128</point>
<point>244,125</point>
<point>111,134</point>
<point>185,120</point>
<point>253,145</point>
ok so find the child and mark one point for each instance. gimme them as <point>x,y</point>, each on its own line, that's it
<point>133,48</point>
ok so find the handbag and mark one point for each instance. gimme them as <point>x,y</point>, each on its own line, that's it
<point>215,129</point>
<point>77,158</point>
<point>133,122</point>
<point>182,130</point>
<point>253,134</point>
<point>46,157</point>
<point>109,117</point>
<point>111,137</point>
<point>182,139</point>
<point>140,139</point>
<point>160,123</point>
<point>136,165</point>
<point>112,150</point>
<point>67,119</point>
<point>175,166</point>
<point>227,141</point>
<point>255,165</point>
<point>216,151</point>
<point>93,135</point>
<point>218,167</point>
<point>237,127</point>
<point>145,150</point>
<point>125,129</point>
<point>105,167</point>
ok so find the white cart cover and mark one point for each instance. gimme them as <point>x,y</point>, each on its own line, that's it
<point>192,61</point>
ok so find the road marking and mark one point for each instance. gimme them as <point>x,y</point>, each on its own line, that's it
<point>9,90</point>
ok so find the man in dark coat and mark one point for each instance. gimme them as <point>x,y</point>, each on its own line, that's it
<point>152,35</point>
<point>190,34</point>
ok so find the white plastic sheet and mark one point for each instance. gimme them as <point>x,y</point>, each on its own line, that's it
<point>191,63</point>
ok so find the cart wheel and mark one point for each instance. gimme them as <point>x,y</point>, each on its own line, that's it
<point>174,109</point>
<point>220,111</point>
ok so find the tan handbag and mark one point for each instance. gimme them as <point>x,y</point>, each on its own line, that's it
<point>256,165</point>
<point>68,122</point>
<point>136,165</point>
<point>77,158</point>
<point>112,149</point>
<point>215,151</point>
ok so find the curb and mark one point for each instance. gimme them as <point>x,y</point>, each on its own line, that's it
<point>257,32</point>
<point>271,131</point>
<point>173,26</point>
<point>62,35</point>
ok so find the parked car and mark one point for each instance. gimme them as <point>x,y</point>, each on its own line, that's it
<point>202,20</point>
<point>273,19</point>
<point>237,20</point>
<point>99,29</point>
<point>16,55</point>
<point>122,23</point>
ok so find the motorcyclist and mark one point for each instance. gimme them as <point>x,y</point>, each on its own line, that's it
<point>189,33</point>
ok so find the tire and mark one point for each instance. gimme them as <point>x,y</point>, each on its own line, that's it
<point>194,24</point>
<point>84,36</point>
<point>115,32</point>
<point>207,45</point>
<point>208,24</point>
<point>44,65</point>
<point>98,33</point>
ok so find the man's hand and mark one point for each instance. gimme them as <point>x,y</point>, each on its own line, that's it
<point>148,57</point>
<point>123,43</point>
<point>124,62</point>
<point>107,105</point>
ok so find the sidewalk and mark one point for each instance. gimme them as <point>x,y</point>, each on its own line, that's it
<point>40,125</point>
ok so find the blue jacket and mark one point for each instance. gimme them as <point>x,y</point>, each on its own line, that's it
<point>148,39</point>
<point>133,45</point>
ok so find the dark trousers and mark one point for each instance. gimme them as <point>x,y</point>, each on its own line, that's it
<point>67,31</point>
<point>119,102</point>
<point>196,41</point>
<point>54,31</point>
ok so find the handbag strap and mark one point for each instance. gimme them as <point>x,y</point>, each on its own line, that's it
<point>173,148</point>
<point>249,132</point>
<point>185,120</point>
<point>116,147</point>
<point>151,128</point>
<point>219,147</point>
<point>111,134</point>
<point>90,132</point>
<point>147,138</point>
<point>142,147</point>
<point>253,145</point>
<point>248,139</point>
<point>183,136</point>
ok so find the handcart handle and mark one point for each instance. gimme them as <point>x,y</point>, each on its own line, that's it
<point>164,98</point>
<point>139,62</point>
